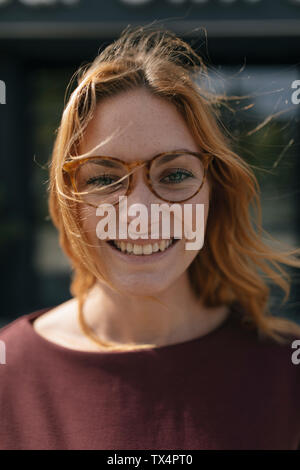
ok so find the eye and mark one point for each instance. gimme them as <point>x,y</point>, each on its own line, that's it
<point>103,180</point>
<point>177,175</point>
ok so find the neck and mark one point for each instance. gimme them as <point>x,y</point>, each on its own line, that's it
<point>176,316</point>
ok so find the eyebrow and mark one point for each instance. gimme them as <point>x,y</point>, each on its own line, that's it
<point>166,158</point>
<point>107,163</point>
<point>169,157</point>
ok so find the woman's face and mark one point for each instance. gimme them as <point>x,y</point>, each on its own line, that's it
<point>149,125</point>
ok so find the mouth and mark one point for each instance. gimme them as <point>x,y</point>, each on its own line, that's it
<point>135,249</point>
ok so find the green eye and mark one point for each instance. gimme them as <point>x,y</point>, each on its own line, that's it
<point>103,180</point>
<point>177,176</point>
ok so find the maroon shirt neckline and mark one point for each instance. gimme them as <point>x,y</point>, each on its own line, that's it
<point>28,319</point>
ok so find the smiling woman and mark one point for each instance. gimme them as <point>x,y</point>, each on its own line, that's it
<point>165,347</point>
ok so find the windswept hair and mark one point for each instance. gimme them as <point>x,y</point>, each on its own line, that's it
<point>235,265</point>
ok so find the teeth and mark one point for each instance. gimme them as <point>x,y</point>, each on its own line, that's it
<point>137,249</point>
<point>162,245</point>
<point>155,247</point>
<point>143,249</point>
<point>147,250</point>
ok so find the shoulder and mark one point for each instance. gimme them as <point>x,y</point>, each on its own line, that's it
<point>267,358</point>
<point>17,357</point>
<point>60,326</point>
<point>246,328</point>
<point>18,339</point>
<point>13,335</point>
<point>61,316</point>
<point>15,339</point>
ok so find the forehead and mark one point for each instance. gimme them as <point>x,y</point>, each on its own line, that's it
<point>135,125</point>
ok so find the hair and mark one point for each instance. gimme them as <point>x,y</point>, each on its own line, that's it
<point>235,265</point>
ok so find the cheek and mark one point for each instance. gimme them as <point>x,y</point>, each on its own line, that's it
<point>88,221</point>
<point>196,212</point>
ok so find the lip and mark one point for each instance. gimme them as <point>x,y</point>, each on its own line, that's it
<point>142,259</point>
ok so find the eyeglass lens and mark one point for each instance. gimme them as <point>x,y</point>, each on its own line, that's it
<point>172,177</point>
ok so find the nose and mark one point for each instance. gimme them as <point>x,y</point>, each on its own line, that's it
<point>139,201</point>
<point>140,191</point>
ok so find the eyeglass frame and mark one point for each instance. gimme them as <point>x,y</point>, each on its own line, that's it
<point>70,167</point>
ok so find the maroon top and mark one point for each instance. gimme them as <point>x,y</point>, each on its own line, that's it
<point>225,390</point>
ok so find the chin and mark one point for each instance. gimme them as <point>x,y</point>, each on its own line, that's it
<point>141,285</point>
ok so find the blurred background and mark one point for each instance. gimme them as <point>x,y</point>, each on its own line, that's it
<point>252,47</point>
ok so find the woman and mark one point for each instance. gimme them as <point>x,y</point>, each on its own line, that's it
<point>160,347</point>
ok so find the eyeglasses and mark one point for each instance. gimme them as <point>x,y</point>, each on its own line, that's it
<point>174,176</point>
